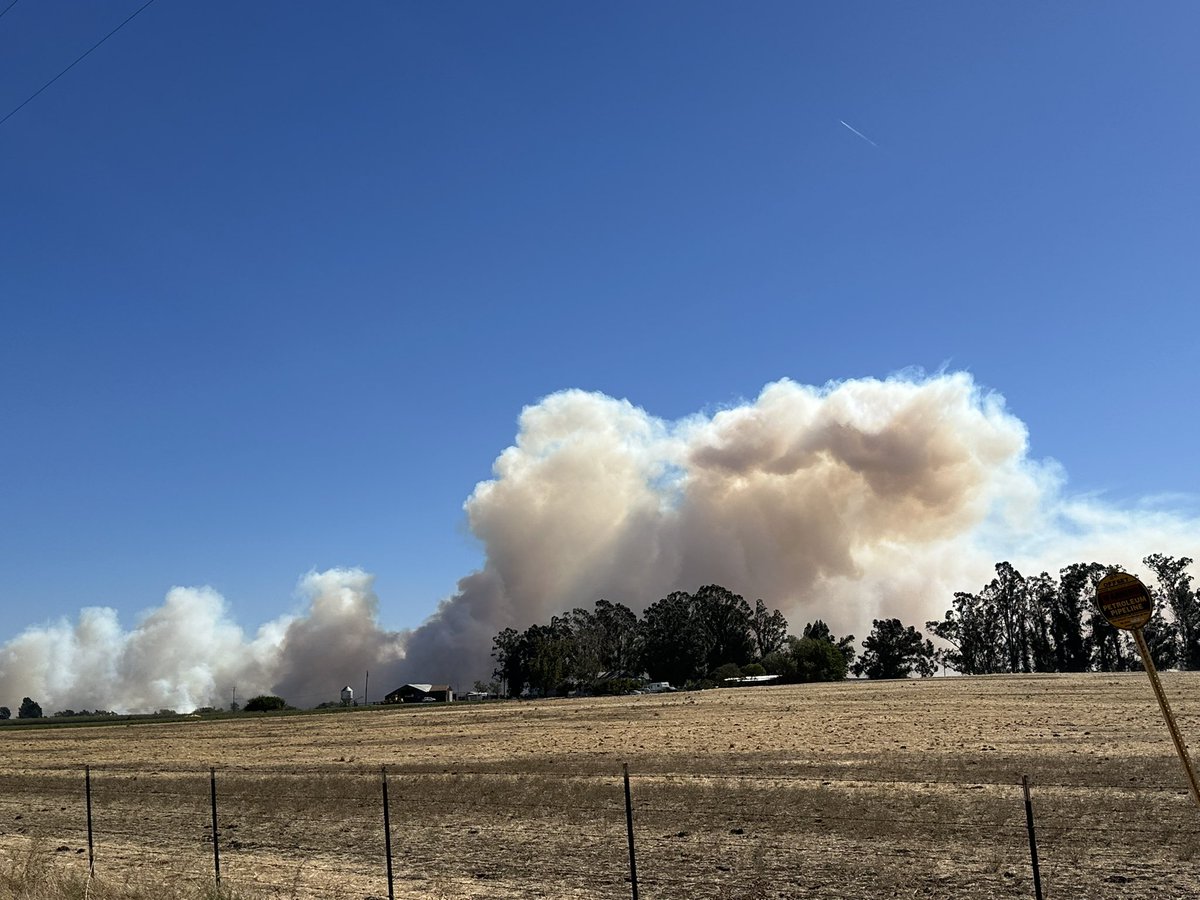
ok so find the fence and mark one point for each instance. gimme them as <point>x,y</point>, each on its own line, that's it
<point>320,832</point>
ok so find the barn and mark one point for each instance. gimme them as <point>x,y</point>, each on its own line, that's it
<point>421,693</point>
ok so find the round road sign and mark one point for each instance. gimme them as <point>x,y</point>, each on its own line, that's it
<point>1124,600</point>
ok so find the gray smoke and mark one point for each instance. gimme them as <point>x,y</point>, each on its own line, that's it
<point>847,502</point>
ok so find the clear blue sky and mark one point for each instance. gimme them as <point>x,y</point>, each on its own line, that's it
<point>277,278</point>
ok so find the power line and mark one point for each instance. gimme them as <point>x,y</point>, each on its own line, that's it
<point>77,61</point>
<point>7,8</point>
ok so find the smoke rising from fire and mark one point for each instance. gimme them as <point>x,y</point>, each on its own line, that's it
<point>188,652</point>
<point>861,499</point>
<point>852,501</point>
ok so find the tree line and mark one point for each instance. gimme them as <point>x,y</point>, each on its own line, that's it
<point>692,640</point>
<point>1013,624</point>
<point>1047,624</point>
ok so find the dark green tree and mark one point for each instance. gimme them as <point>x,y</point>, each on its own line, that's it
<point>769,628</point>
<point>604,640</point>
<point>723,620</point>
<point>1043,596</point>
<point>782,663</point>
<point>1112,649</point>
<point>621,644</point>
<point>1011,596</point>
<point>5,712</point>
<point>549,649</point>
<point>674,647</point>
<point>1076,590</point>
<point>266,703</point>
<point>817,656</point>
<point>819,631</point>
<point>724,671</point>
<point>817,659</point>
<point>895,651</point>
<point>973,630</point>
<point>1162,636</point>
<point>512,660</point>
<point>586,650</point>
<point>1175,590</point>
<point>29,709</point>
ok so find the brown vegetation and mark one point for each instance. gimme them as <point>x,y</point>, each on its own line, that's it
<point>861,789</point>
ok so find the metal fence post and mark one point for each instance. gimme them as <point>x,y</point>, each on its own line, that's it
<point>633,879</point>
<point>387,833</point>
<point>212,780</point>
<point>87,789</point>
<point>1033,856</point>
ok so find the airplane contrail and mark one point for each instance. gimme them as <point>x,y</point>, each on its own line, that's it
<point>860,134</point>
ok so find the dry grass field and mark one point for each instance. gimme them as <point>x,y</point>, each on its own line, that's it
<point>854,790</point>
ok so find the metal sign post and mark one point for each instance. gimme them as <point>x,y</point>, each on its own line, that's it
<point>1126,604</point>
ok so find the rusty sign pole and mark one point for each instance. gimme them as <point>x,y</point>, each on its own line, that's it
<point>1168,716</point>
<point>1126,604</point>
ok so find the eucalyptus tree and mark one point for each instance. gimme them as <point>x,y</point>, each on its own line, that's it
<point>769,628</point>
<point>1175,590</point>
<point>673,643</point>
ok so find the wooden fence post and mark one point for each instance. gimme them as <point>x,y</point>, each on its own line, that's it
<point>633,879</point>
<point>1033,855</point>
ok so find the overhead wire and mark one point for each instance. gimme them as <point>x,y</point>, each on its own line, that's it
<point>78,60</point>
<point>7,8</point>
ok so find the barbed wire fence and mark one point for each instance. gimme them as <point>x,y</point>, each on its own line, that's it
<point>319,832</point>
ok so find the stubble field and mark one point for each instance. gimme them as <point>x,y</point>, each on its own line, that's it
<point>854,790</point>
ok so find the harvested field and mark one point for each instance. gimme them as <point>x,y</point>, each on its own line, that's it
<point>854,790</point>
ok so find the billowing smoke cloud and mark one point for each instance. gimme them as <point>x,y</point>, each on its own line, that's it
<point>847,502</point>
<point>854,501</point>
<point>189,653</point>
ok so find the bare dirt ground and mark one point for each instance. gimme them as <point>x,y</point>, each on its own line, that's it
<point>853,790</point>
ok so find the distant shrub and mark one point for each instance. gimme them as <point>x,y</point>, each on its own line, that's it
<point>729,670</point>
<point>266,703</point>
<point>616,686</point>
<point>30,709</point>
<point>66,713</point>
<point>781,663</point>
<point>753,669</point>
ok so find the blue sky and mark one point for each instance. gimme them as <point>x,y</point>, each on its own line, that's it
<point>278,278</point>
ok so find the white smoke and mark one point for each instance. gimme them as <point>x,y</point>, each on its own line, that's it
<point>857,500</point>
<point>189,653</point>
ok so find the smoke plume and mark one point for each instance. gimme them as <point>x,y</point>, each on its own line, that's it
<point>852,501</point>
<point>189,653</point>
